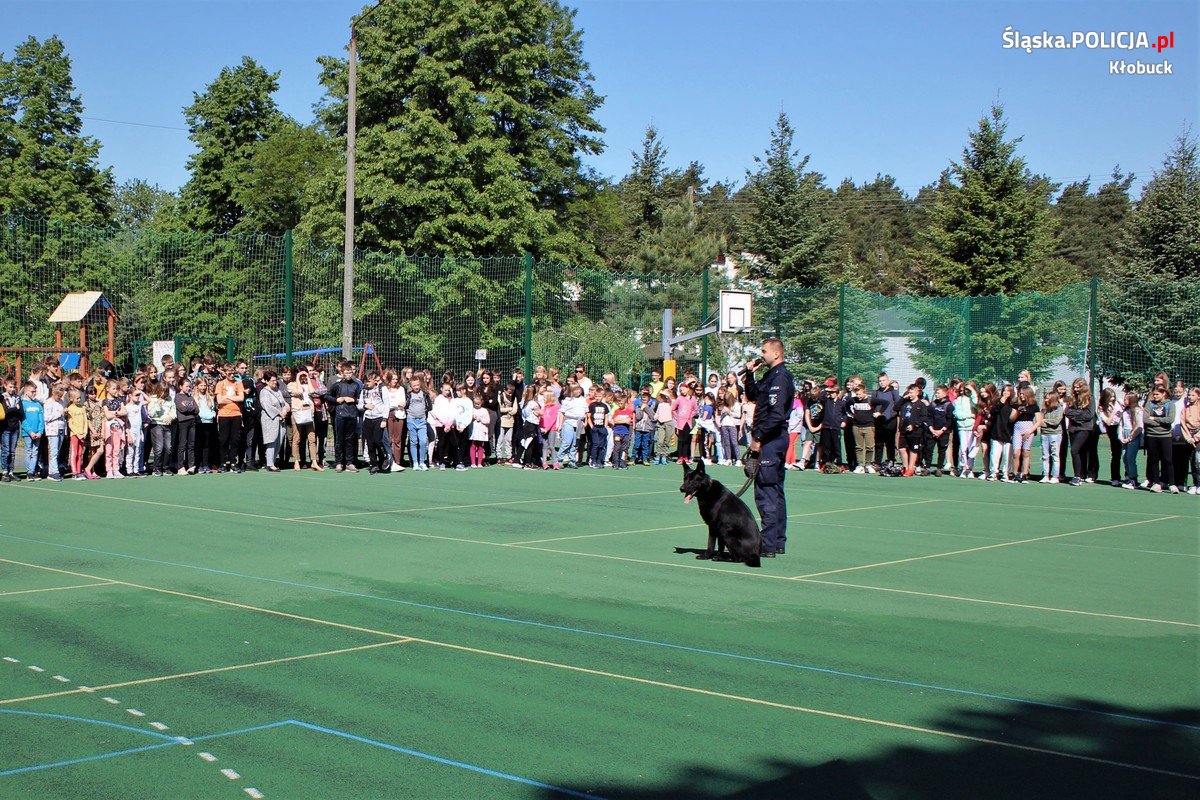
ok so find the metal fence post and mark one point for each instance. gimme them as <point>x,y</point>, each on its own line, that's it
<point>1092,329</point>
<point>966,338</point>
<point>703,321</point>
<point>779,312</point>
<point>529,316</point>
<point>288,298</point>
<point>841,354</point>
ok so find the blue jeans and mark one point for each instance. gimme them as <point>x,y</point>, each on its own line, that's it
<point>643,445</point>
<point>1131,454</point>
<point>53,444</point>
<point>599,439</point>
<point>1050,453</point>
<point>418,441</point>
<point>31,455</point>
<point>8,450</point>
<point>566,445</point>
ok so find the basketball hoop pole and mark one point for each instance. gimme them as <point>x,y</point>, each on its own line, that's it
<point>669,341</point>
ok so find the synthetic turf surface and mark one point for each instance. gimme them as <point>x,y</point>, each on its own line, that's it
<point>498,633</point>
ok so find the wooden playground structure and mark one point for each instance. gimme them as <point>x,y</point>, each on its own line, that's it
<point>82,309</point>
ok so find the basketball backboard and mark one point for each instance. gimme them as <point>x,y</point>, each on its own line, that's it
<point>735,311</point>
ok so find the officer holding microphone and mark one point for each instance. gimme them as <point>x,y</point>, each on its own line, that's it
<point>772,395</point>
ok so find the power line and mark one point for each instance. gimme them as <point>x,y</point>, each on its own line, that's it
<point>141,125</point>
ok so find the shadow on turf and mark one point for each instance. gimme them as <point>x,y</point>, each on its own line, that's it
<point>935,767</point>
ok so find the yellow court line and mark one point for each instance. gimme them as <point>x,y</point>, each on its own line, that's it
<point>650,682</point>
<point>207,599</point>
<point>1002,603</point>
<point>701,524</point>
<point>197,673</point>
<point>733,572</point>
<point>56,588</point>
<point>802,709</point>
<point>982,548</point>
<point>473,505</point>
<point>742,573</point>
<point>747,573</point>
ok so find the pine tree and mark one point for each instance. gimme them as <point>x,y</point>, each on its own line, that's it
<point>677,246</point>
<point>787,227</point>
<point>1149,320</point>
<point>1089,225</point>
<point>234,115</point>
<point>642,190</point>
<point>472,120</point>
<point>877,233</point>
<point>1162,241</point>
<point>990,225</point>
<point>52,169</point>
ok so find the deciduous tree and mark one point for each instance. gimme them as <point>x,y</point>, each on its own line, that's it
<point>472,121</point>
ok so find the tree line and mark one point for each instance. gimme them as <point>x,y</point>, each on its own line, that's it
<point>471,143</point>
<point>474,122</point>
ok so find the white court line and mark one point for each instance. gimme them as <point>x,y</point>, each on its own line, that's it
<point>981,548</point>
<point>701,524</point>
<point>1013,503</point>
<point>152,502</point>
<point>55,589</point>
<point>1081,545</point>
<point>727,572</point>
<point>474,505</point>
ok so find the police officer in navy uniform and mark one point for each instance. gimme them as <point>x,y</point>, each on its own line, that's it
<point>772,396</point>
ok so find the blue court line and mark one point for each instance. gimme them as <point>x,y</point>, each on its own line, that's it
<point>173,742</point>
<point>449,762</point>
<point>89,721</point>
<point>630,639</point>
<point>170,740</point>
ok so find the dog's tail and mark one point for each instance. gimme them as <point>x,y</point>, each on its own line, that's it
<point>753,560</point>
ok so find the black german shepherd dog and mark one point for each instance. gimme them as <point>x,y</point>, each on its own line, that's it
<point>730,523</point>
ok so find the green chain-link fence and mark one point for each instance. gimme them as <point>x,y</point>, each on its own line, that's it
<point>272,297</point>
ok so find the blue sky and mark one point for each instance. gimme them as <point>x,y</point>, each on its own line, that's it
<point>871,87</point>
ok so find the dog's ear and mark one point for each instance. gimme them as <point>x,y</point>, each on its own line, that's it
<point>699,466</point>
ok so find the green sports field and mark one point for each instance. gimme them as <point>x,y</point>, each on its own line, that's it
<point>500,633</point>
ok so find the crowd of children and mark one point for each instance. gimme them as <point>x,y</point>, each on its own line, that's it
<point>944,433</point>
<point>222,417</point>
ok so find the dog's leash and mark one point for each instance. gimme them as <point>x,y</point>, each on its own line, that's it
<point>751,470</point>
